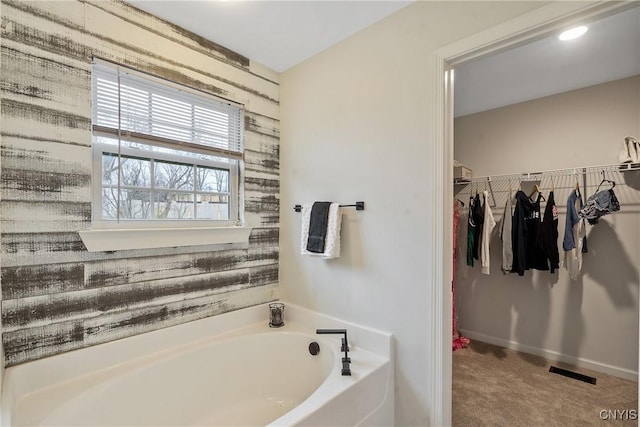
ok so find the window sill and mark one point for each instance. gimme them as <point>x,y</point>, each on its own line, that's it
<point>98,240</point>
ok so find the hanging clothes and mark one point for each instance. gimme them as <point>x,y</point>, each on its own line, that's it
<point>550,233</point>
<point>574,236</point>
<point>569,242</point>
<point>456,221</point>
<point>487,228</point>
<point>505,236</point>
<point>519,234</point>
<point>461,243</point>
<point>536,255</point>
<point>458,341</point>
<point>599,204</point>
<point>478,219</point>
<point>471,234</point>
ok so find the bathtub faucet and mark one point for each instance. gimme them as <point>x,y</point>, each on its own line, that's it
<point>346,360</point>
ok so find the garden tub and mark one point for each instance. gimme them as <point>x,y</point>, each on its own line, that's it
<point>227,370</point>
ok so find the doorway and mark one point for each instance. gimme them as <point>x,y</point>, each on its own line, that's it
<point>508,35</point>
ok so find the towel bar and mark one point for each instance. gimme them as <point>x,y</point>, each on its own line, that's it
<point>358,205</point>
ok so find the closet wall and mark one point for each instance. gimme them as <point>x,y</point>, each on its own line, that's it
<point>593,321</point>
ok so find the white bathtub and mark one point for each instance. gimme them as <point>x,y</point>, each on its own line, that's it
<point>228,370</point>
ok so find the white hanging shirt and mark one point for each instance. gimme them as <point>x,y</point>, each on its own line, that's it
<point>505,236</point>
<point>487,228</point>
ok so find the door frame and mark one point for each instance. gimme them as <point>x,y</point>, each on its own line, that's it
<point>524,29</point>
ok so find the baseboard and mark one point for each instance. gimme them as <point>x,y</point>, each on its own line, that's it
<point>554,356</point>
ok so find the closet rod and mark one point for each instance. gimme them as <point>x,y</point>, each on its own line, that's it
<point>582,170</point>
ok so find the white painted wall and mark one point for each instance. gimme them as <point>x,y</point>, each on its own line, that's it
<point>355,127</point>
<point>592,322</point>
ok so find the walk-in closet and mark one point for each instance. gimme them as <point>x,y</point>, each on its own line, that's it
<point>547,230</point>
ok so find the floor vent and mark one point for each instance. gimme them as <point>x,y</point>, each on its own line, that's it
<point>574,375</point>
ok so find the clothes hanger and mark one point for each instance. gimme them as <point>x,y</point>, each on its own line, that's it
<point>604,179</point>
<point>577,190</point>
<point>536,189</point>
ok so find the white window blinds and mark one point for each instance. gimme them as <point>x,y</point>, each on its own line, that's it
<point>126,104</point>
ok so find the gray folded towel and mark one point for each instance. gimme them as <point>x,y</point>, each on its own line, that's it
<point>318,227</point>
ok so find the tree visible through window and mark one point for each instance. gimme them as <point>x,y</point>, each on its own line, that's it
<point>163,153</point>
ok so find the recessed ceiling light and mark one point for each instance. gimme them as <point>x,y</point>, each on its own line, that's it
<point>573,33</point>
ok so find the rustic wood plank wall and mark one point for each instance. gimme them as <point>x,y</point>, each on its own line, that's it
<point>56,296</point>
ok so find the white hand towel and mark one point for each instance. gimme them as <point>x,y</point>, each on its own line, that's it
<point>332,240</point>
<point>306,222</point>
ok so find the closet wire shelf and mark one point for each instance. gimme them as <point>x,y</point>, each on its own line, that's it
<point>522,177</point>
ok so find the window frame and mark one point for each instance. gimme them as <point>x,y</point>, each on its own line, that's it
<point>234,166</point>
<point>112,235</point>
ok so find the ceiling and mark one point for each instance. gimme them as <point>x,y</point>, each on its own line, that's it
<point>281,34</point>
<point>610,50</point>
<point>278,34</point>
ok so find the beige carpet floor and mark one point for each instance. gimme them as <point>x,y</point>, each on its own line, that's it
<point>493,386</point>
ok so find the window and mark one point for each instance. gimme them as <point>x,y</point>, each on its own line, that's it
<point>163,154</point>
